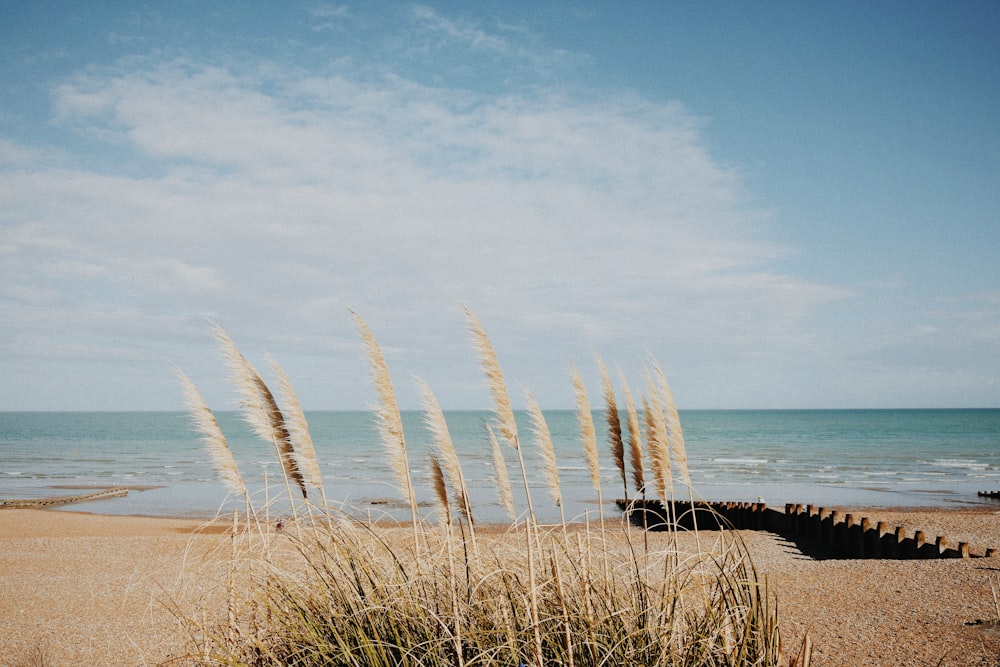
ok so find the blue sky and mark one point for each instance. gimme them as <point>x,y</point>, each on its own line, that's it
<point>788,205</point>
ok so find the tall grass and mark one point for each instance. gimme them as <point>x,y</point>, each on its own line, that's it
<point>356,592</point>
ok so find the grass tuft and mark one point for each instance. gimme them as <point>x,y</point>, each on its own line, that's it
<point>343,591</point>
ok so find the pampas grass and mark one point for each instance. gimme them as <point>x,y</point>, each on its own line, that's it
<point>673,424</point>
<point>656,441</point>
<point>634,440</point>
<point>350,593</point>
<point>613,418</point>
<point>588,434</point>
<point>440,492</point>
<point>494,380</point>
<point>298,432</point>
<point>446,455</point>
<point>543,441</point>
<point>390,422</point>
<point>501,476</point>
<point>215,442</point>
<point>261,410</point>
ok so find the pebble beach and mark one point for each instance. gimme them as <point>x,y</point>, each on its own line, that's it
<point>86,589</point>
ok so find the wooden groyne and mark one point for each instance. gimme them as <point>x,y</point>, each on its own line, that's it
<point>989,494</point>
<point>819,531</point>
<point>845,535</point>
<point>64,500</point>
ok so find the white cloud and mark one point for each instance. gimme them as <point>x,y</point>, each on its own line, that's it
<point>266,201</point>
<point>465,33</point>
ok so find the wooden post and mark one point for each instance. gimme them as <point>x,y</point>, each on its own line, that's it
<point>855,549</point>
<point>919,539</point>
<point>839,542</point>
<point>905,547</point>
<point>869,538</point>
<point>825,527</point>
<point>937,549</point>
<point>886,541</point>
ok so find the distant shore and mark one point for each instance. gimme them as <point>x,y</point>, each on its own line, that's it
<point>82,588</point>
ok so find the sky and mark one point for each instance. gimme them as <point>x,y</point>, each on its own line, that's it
<point>784,204</point>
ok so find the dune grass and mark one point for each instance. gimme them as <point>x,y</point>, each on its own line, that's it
<point>443,590</point>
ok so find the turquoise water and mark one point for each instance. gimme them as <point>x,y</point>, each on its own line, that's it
<point>826,457</point>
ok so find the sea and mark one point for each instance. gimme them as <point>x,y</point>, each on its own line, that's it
<point>831,458</point>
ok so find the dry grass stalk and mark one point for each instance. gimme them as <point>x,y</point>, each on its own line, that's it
<point>613,419</point>
<point>440,492</point>
<point>448,457</point>
<point>543,440</point>
<point>495,380</point>
<point>634,440</point>
<point>501,476</point>
<point>213,438</point>
<point>261,410</point>
<point>673,423</point>
<point>501,400</point>
<point>298,431</point>
<point>659,450</point>
<point>588,434</point>
<point>390,422</point>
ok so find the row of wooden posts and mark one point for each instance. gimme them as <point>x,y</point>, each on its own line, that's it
<point>827,533</point>
<point>846,535</point>
<point>64,500</point>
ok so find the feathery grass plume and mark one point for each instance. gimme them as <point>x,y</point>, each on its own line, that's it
<point>261,410</point>
<point>213,438</point>
<point>613,419</point>
<point>446,455</point>
<point>634,439</point>
<point>588,434</point>
<point>659,452</point>
<point>390,423</point>
<point>673,422</point>
<point>494,376</point>
<point>440,491</point>
<point>663,449</point>
<point>298,431</point>
<point>501,476</point>
<point>543,440</point>
<point>501,401</point>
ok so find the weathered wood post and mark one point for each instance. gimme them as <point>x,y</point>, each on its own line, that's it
<point>886,541</point>
<point>839,542</point>
<point>826,527</point>
<point>905,547</point>
<point>935,550</point>
<point>855,549</point>
<point>919,539</point>
<point>869,537</point>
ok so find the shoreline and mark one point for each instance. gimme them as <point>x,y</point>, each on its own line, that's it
<point>207,500</point>
<point>91,588</point>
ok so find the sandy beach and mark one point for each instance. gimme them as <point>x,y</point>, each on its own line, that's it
<point>85,589</point>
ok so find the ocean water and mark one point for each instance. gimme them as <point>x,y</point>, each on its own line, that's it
<point>825,457</point>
